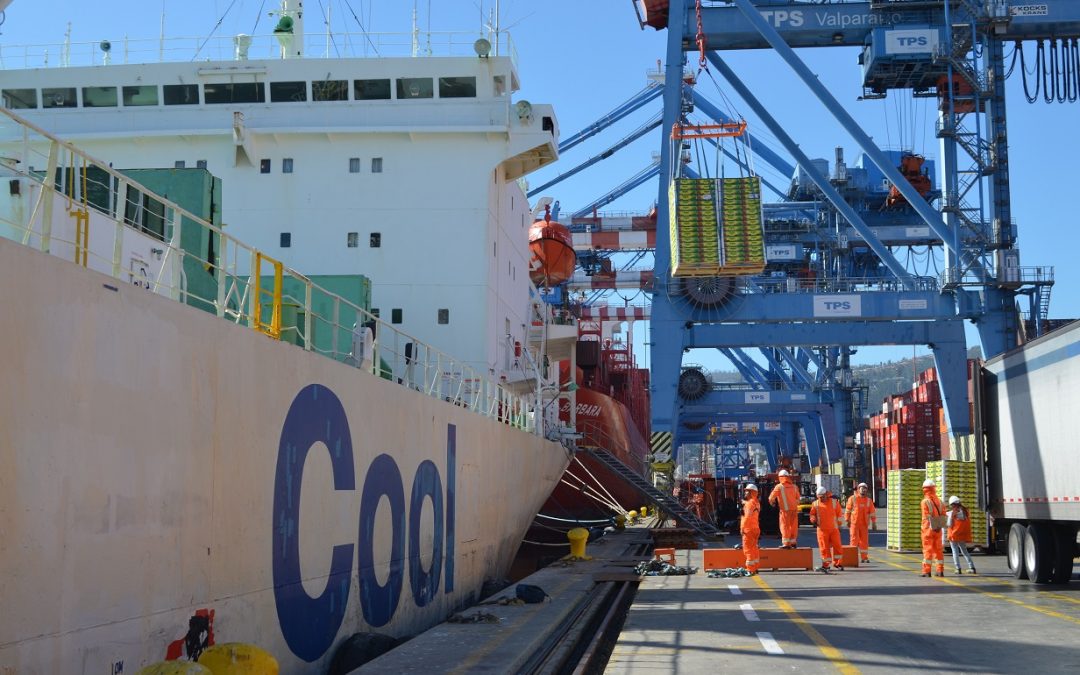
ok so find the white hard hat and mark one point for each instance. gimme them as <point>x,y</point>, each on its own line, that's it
<point>929,483</point>
<point>750,486</point>
<point>954,500</point>
<point>784,472</point>
<point>863,485</point>
<point>822,490</point>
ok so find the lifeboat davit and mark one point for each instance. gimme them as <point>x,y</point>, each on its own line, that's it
<point>553,258</point>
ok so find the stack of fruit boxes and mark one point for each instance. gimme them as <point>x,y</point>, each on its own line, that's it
<point>958,478</point>
<point>695,227</point>
<point>905,510</point>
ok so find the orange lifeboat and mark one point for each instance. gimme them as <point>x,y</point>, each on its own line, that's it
<point>553,257</point>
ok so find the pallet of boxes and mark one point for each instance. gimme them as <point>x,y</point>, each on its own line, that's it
<point>904,515</point>
<point>958,478</point>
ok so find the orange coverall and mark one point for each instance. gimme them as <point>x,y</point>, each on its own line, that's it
<point>785,497</point>
<point>828,516</point>
<point>751,530</point>
<point>860,512</point>
<point>932,548</point>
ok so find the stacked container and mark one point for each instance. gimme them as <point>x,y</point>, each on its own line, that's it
<point>911,429</point>
<point>904,511</point>
<point>959,478</point>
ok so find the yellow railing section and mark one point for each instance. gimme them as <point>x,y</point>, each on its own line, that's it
<point>273,327</point>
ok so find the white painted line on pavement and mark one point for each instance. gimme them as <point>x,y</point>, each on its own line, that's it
<point>748,612</point>
<point>771,646</point>
<point>735,590</point>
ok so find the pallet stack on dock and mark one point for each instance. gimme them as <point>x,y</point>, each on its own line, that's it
<point>904,511</point>
<point>959,478</point>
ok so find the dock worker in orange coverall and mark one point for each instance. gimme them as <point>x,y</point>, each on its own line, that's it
<point>859,514</point>
<point>828,515</point>
<point>933,549</point>
<point>785,497</point>
<point>750,528</point>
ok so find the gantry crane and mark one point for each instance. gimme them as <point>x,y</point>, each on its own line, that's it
<point>951,50</point>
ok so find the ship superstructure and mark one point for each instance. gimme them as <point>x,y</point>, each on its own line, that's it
<point>402,168</point>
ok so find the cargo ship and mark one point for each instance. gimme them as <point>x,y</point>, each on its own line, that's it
<point>609,409</point>
<point>276,376</point>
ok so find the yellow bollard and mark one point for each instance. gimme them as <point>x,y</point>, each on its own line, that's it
<point>631,517</point>
<point>578,537</point>
<point>620,522</point>
<point>237,658</point>
<point>175,668</point>
<point>644,512</point>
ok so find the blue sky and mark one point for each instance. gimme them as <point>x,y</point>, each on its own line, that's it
<point>587,56</point>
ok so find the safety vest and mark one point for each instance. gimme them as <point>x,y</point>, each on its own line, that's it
<point>960,529</point>
<point>749,521</point>
<point>826,515</point>
<point>860,509</point>
<point>931,506</point>
<point>785,495</point>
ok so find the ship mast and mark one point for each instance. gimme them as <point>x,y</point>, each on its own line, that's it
<point>290,34</point>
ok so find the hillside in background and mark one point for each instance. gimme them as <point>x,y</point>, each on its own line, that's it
<point>882,379</point>
<point>892,377</point>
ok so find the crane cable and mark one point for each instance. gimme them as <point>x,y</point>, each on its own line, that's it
<point>702,63</point>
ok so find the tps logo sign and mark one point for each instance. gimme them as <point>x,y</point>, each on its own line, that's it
<point>911,41</point>
<point>837,305</point>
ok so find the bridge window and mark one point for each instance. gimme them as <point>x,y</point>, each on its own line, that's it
<point>20,99</point>
<point>59,97</point>
<point>395,316</point>
<point>288,92</point>
<point>352,239</point>
<point>415,87</point>
<point>457,87</point>
<point>371,90</point>
<point>141,95</point>
<point>376,165</point>
<point>354,165</point>
<point>237,92</point>
<point>181,94</point>
<point>286,240</point>
<point>99,97</point>
<point>330,90</point>
<point>444,316</point>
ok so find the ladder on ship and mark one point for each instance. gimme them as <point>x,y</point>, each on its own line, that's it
<point>666,502</point>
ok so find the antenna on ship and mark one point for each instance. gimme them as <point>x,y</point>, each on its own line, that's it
<point>161,34</point>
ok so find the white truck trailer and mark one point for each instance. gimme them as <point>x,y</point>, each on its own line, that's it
<point>1031,421</point>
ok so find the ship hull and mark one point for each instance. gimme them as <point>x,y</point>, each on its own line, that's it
<point>589,490</point>
<point>161,465</point>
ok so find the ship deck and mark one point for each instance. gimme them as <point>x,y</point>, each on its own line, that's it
<point>878,618</point>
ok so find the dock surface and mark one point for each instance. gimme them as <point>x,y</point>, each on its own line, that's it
<point>878,618</point>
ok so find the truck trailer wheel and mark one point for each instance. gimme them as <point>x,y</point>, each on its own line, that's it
<point>1039,553</point>
<point>1064,552</point>
<point>1015,553</point>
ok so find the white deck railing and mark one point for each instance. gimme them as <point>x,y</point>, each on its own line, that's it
<point>265,46</point>
<point>103,220</point>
